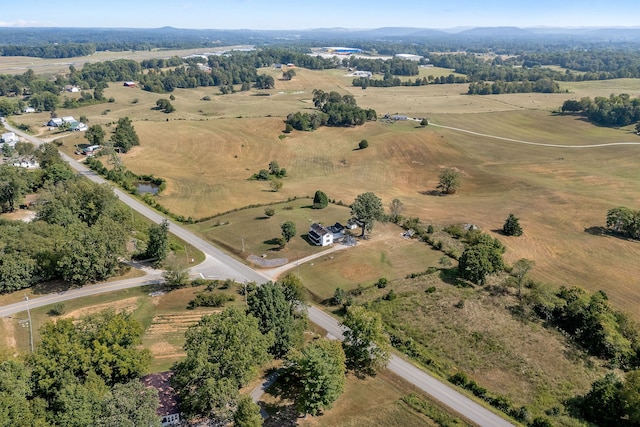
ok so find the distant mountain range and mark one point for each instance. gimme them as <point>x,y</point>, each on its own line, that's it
<point>166,35</point>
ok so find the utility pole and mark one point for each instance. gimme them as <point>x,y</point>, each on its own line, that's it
<point>26,300</point>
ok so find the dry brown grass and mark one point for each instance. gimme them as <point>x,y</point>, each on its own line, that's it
<point>520,359</point>
<point>127,305</point>
<point>207,150</point>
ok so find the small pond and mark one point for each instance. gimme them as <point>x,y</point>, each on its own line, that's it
<point>147,187</point>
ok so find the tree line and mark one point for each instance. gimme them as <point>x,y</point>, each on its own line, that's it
<point>333,110</point>
<point>616,110</point>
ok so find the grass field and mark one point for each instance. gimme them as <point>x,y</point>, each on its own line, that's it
<point>207,150</point>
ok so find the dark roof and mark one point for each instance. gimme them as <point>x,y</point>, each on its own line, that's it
<point>318,229</point>
<point>336,228</point>
<point>168,402</point>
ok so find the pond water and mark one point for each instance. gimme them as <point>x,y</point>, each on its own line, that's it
<point>147,187</point>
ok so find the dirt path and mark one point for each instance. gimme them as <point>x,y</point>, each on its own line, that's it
<point>540,144</point>
<point>274,273</point>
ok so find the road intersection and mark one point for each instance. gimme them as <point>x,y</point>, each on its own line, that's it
<point>220,265</point>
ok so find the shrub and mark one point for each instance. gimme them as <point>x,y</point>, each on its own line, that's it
<point>57,309</point>
<point>382,283</point>
<point>269,212</point>
<point>390,296</point>
<point>320,200</point>
<point>210,299</point>
<point>363,144</point>
<point>430,289</point>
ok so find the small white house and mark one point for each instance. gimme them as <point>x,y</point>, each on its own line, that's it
<point>29,110</point>
<point>325,236</point>
<point>27,163</point>
<point>319,235</point>
<point>79,127</point>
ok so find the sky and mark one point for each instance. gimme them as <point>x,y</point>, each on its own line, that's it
<point>307,14</point>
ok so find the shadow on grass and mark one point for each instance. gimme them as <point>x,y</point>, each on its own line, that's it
<point>450,276</point>
<point>262,217</point>
<point>52,287</point>
<point>432,193</point>
<point>603,231</point>
<point>306,238</point>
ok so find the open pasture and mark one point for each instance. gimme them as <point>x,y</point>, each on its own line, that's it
<point>207,150</point>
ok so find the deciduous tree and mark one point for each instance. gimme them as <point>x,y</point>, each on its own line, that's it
<point>288,230</point>
<point>223,352</point>
<point>275,315</point>
<point>367,208</point>
<point>158,244</point>
<point>366,344</point>
<point>317,374</point>
<point>449,181</point>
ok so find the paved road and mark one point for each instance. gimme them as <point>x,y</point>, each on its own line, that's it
<point>220,265</point>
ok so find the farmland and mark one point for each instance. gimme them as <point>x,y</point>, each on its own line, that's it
<point>207,150</point>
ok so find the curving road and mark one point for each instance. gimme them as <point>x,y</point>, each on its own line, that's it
<point>220,265</point>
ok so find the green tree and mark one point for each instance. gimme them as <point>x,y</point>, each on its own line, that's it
<point>176,275</point>
<point>288,230</point>
<point>17,407</point>
<point>366,344</point>
<point>223,352</point>
<point>13,186</point>
<point>363,144</point>
<point>424,122</point>
<point>158,244</point>
<point>293,289</point>
<point>317,375</point>
<point>449,181</point>
<point>129,405</point>
<point>367,208</point>
<point>320,200</point>
<point>602,404</point>
<point>91,254</point>
<point>481,257</point>
<point>247,414</point>
<point>95,135</point>
<point>275,314</point>
<point>165,105</point>
<point>511,226</point>
<point>395,210</point>
<point>289,74</point>
<point>125,136</point>
<point>265,81</point>
<point>630,396</point>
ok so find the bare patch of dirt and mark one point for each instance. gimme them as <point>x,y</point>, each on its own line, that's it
<point>126,305</point>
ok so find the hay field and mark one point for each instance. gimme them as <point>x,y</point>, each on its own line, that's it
<point>207,150</point>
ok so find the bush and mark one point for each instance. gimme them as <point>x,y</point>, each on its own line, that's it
<point>210,299</point>
<point>382,283</point>
<point>57,309</point>
<point>320,200</point>
<point>430,289</point>
<point>390,296</point>
<point>269,212</point>
<point>363,144</point>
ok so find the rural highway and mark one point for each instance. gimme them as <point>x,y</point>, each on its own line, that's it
<point>220,265</point>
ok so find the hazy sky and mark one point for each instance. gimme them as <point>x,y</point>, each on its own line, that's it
<point>304,14</point>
